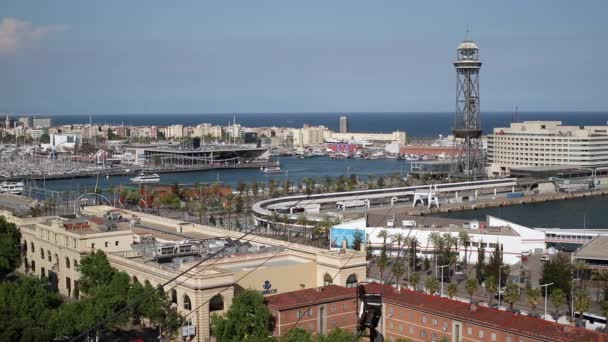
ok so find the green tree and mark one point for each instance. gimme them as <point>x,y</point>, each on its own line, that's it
<point>95,272</point>
<point>398,270</point>
<point>247,319</point>
<point>481,256</point>
<point>558,298</point>
<point>26,308</point>
<point>491,287</point>
<point>336,335</point>
<point>10,247</point>
<point>533,298</point>
<point>431,285</point>
<point>471,286</point>
<point>512,294</point>
<point>297,334</point>
<point>494,266</point>
<point>465,239</point>
<point>452,289</point>
<point>558,271</point>
<point>382,263</point>
<point>414,280</point>
<point>582,302</point>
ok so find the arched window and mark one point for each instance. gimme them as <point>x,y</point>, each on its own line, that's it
<point>67,262</point>
<point>76,264</point>
<point>351,281</point>
<point>187,304</point>
<point>42,253</point>
<point>48,254</point>
<point>32,246</point>
<point>135,280</point>
<point>146,283</point>
<point>216,303</point>
<point>174,296</point>
<point>327,280</point>
<point>24,248</point>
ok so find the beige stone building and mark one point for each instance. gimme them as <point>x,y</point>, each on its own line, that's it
<point>544,143</point>
<point>211,264</point>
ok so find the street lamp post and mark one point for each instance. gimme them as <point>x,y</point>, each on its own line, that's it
<point>546,286</point>
<point>441,276</point>
<point>572,299</point>
<point>500,283</point>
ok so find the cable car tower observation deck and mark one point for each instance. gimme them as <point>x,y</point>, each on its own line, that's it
<point>468,159</point>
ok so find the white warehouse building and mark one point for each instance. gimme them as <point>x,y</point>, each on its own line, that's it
<point>514,239</point>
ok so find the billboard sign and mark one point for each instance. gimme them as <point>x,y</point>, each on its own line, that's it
<point>337,236</point>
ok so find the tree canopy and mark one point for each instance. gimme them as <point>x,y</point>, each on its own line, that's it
<point>248,319</point>
<point>10,251</point>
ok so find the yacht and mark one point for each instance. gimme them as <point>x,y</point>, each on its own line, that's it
<point>11,188</point>
<point>271,169</point>
<point>143,178</point>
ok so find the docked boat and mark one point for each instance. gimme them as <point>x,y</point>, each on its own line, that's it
<point>143,178</point>
<point>271,169</point>
<point>15,188</point>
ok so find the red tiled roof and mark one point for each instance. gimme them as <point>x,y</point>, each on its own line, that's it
<point>531,327</point>
<point>312,296</point>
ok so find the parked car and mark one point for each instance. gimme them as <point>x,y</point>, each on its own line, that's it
<point>526,253</point>
<point>544,258</point>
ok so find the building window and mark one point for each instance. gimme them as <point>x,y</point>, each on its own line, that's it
<point>481,334</point>
<point>309,312</point>
<point>469,331</point>
<point>433,337</point>
<point>299,314</point>
<point>423,333</point>
<point>351,281</point>
<point>76,265</point>
<point>32,247</point>
<point>106,243</point>
<point>391,311</point>
<point>115,243</point>
<point>33,267</point>
<point>48,255</point>
<point>411,330</point>
<point>509,339</point>
<point>42,272</point>
<point>400,328</point>
<point>67,262</point>
<point>343,307</point>
<point>333,308</point>
<point>493,337</point>
<point>434,322</point>
<point>93,245</point>
<point>42,253</point>
<point>333,323</point>
<point>187,304</point>
<point>445,326</point>
<point>423,319</point>
<point>390,324</point>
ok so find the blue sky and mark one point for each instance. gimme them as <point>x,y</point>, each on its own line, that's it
<point>297,56</point>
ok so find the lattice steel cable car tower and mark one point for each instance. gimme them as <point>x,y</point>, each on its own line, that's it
<point>468,159</point>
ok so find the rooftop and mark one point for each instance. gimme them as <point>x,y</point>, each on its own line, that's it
<point>597,249</point>
<point>307,297</point>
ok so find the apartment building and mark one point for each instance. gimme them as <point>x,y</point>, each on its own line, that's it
<point>416,316</point>
<point>309,136</point>
<point>543,143</point>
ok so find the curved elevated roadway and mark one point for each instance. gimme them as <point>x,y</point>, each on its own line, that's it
<point>263,209</point>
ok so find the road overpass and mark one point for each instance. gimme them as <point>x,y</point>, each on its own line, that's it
<point>292,206</point>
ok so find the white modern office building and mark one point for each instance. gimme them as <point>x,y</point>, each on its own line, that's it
<point>544,143</point>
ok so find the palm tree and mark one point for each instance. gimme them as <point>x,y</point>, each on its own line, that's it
<point>558,298</point>
<point>399,238</point>
<point>414,279</point>
<point>437,241</point>
<point>431,285</point>
<point>382,264</point>
<point>274,219</point>
<point>582,302</point>
<point>412,252</point>
<point>471,286</point>
<point>384,235</point>
<point>491,287</point>
<point>397,271</point>
<point>465,240</point>
<point>533,298</point>
<point>511,294</point>
<point>452,288</point>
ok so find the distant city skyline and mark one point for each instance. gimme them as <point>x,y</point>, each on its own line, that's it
<point>114,57</point>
